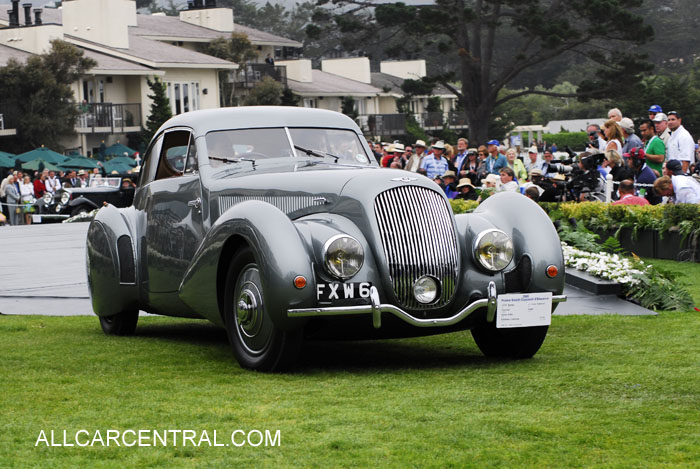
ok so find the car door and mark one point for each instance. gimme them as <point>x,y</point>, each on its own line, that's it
<point>173,209</point>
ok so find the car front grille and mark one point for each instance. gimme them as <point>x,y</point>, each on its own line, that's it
<point>418,238</point>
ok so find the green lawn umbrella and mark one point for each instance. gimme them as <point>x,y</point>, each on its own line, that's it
<point>79,163</point>
<point>118,167</point>
<point>118,150</point>
<point>42,153</point>
<point>34,165</point>
<point>124,160</point>
<point>7,161</point>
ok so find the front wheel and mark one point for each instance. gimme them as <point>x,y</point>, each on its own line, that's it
<point>518,342</point>
<point>123,323</point>
<point>256,342</point>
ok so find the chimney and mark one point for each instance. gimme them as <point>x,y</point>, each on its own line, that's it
<point>37,16</point>
<point>14,17</point>
<point>27,14</point>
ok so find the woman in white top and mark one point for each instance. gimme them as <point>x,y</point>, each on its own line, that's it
<point>26,192</point>
<point>613,133</point>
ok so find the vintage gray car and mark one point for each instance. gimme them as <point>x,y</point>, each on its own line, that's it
<point>276,224</point>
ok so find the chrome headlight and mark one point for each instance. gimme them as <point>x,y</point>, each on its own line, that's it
<point>343,256</point>
<point>65,197</point>
<point>48,197</point>
<point>426,289</point>
<point>493,249</point>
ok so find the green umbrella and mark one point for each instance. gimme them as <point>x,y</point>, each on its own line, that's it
<point>118,150</point>
<point>43,153</point>
<point>4,153</point>
<point>118,167</point>
<point>34,165</point>
<point>125,160</point>
<point>79,163</point>
<point>7,161</point>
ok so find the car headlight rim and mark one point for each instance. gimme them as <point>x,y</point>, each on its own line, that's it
<point>422,289</point>
<point>48,197</point>
<point>336,266</point>
<point>493,250</point>
<point>65,198</point>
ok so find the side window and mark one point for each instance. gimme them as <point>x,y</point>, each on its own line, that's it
<point>150,162</point>
<point>192,165</point>
<point>173,154</point>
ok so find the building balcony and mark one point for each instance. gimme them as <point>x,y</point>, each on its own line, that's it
<point>108,118</point>
<point>395,124</point>
<point>250,74</point>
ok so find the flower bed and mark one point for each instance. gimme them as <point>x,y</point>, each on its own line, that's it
<point>641,283</point>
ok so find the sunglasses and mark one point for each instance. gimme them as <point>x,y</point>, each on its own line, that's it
<point>672,113</point>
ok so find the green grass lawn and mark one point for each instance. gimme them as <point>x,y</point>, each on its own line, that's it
<point>603,391</point>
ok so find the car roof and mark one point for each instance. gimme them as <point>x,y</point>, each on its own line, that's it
<point>248,117</point>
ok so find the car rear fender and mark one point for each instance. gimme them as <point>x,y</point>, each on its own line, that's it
<point>279,252</point>
<point>82,201</point>
<point>111,262</point>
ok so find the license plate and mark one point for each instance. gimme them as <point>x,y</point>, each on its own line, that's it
<point>342,291</point>
<point>524,310</point>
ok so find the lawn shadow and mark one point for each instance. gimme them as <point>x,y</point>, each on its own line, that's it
<point>338,355</point>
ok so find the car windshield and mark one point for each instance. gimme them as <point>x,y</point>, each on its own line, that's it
<point>260,144</point>
<point>99,181</point>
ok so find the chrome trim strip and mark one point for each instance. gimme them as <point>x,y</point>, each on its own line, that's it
<point>375,308</point>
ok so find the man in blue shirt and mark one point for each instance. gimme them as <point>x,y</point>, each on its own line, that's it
<point>495,160</point>
<point>435,164</point>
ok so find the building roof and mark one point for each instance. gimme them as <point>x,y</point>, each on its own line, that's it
<point>573,125</point>
<point>392,84</point>
<point>7,53</point>
<point>115,66</point>
<point>156,54</point>
<point>171,28</point>
<point>328,84</point>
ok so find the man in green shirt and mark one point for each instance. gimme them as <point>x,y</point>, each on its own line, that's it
<point>654,147</point>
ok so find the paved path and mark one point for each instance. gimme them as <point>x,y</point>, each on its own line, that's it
<point>45,274</point>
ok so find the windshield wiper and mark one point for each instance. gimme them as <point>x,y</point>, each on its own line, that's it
<point>317,153</point>
<point>232,160</point>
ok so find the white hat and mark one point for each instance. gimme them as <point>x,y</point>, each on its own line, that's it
<point>627,124</point>
<point>419,143</point>
<point>439,145</point>
<point>660,117</point>
<point>399,147</point>
<point>491,178</point>
<point>533,149</point>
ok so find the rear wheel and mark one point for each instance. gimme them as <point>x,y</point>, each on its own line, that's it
<point>255,341</point>
<point>519,342</point>
<point>123,323</point>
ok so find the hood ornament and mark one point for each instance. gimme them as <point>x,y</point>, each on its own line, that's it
<point>405,179</point>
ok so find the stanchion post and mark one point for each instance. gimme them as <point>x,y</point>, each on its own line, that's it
<point>608,188</point>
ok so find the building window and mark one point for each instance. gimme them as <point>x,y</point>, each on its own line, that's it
<point>309,102</point>
<point>184,97</point>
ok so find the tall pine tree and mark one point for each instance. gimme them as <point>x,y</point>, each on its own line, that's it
<point>160,108</point>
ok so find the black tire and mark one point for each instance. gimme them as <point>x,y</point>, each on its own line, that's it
<point>255,341</point>
<point>517,343</point>
<point>120,324</point>
<point>78,210</point>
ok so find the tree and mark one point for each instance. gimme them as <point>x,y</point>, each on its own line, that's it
<point>39,95</point>
<point>267,92</point>
<point>490,43</point>
<point>347,107</point>
<point>160,108</point>
<point>238,49</point>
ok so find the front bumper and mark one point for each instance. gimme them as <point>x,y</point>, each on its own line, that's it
<point>375,308</point>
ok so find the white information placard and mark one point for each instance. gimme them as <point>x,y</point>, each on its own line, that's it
<point>524,310</point>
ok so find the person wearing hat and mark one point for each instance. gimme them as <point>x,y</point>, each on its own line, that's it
<point>414,162</point>
<point>495,160</point>
<point>680,145</point>
<point>470,166</point>
<point>654,147</point>
<point>654,110</point>
<point>435,164</point>
<point>84,178</point>
<point>661,126</point>
<point>466,189</point>
<point>450,181</point>
<point>681,189</point>
<point>673,168</point>
<point>631,139</point>
<point>533,160</point>
<point>492,181</point>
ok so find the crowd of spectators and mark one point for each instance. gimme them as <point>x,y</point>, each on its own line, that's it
<point>19,190</point>
<point>657,164</point>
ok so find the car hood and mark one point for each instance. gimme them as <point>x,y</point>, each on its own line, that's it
<point>308,187</point>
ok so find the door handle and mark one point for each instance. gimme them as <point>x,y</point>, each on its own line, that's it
<point>196,203</point>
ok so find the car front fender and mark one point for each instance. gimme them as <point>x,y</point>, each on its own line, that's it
<point>279,252</point>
